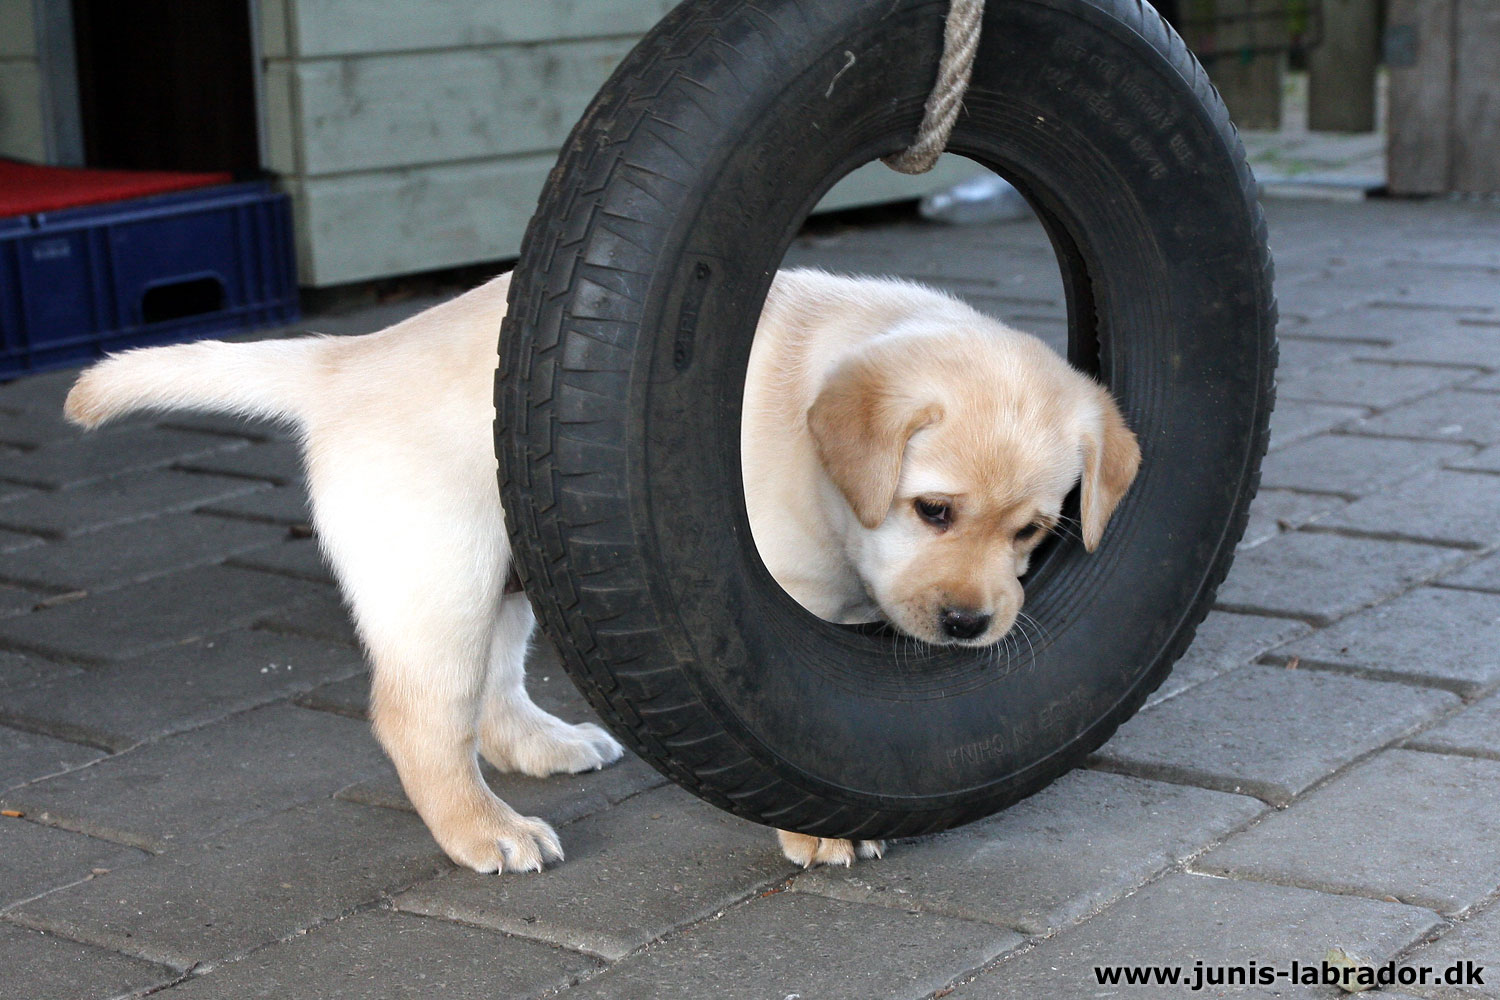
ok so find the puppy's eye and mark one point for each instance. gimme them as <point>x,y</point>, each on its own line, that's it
<point>1029,532</point>
<point>938,513</point>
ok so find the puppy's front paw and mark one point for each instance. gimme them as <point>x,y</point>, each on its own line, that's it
<point>809,851</point>
<point>500,840</point>
<point>544,744</point>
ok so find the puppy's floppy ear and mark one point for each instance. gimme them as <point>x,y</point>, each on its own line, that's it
<point>861,422</point>
<point>1111,457</point>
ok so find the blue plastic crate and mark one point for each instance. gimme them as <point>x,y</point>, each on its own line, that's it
<point>77,283</point>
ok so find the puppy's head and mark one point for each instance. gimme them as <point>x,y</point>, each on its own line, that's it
<point>954,450</point>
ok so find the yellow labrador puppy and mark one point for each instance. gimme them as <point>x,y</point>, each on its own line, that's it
<point>903,456</point>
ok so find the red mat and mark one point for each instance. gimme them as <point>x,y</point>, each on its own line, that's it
<point>26,188</point>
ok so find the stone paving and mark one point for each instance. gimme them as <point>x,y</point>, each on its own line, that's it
<point>193,805</point>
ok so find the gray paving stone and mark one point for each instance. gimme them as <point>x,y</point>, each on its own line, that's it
<point>1268,731</point>
<point>1273,512</point>
<point>321,616</point>
<point>1293,420</point>
<point>1223,642</point>
<point>18,600</point>
<point>244,887</point>
<point>229,425</point>
<point>378,955</point>
<point>348,697</point>
<point>33,392</point>
<point>798,944</point>
<point>1442,506</point>
<point>1353,466</point>
<point>1303,353</point>
<point>1367,383</point>
<point>549,685</point>
<point>164,611</point>
<point>1447,342</point>
<point>546,682</point>
<point>278,505</point>
<point>1435,636</point>
<point>40,428</point>
<point>1359,326</point>
<point>39,859</point>
<point>22,669</point>
<point>135,551</point>
<point>298,558</point>
<point>1060,856</point>
<point>11,541</point>
<point>177,689</point>
<point>1431,288</point>
<point>9,493</point>
<point>92,457</point>
<point>1315,299</point>
<point>192,785</point>
<point>1420,827</point>
<point>1330,256</point>
<point>273,461</point>
<point>1187,919</point>
<point>1481,575</point>
<point>1011,277</point>
<point>618,890</point>
<point>107,502</point>
<point>1322,577</point>
<point>1475,940</point>
<point>559,799</point>
<point>1475,732</point>
<point>906,245</point>
<point>1487,460</point>
<point>43,967</point>
<point>1452,415</point>
<point>28,756</point>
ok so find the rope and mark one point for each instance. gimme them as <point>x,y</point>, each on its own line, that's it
<point>960,42</point>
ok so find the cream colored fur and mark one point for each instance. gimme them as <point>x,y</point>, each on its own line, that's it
<point>863,397</point>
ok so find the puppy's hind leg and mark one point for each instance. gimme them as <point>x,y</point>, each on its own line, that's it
<point>514,733</point>
<point>421,565</point>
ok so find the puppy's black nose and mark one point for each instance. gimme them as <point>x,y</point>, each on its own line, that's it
<point>961,623</point>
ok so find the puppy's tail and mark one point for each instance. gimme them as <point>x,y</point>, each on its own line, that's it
<point>270,378</point>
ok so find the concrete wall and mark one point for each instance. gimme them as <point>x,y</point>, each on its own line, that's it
<point>21,132</point>
<point>417,135</point>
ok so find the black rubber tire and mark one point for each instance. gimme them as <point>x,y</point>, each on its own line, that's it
<point>622,366</point>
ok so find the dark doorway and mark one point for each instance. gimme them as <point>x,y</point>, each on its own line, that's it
<point>167,84</point>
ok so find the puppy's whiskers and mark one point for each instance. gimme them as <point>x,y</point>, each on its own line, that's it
<point>1068,527</point>
<point>1033,632</point>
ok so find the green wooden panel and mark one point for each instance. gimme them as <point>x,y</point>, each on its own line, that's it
<point>343,27</point>
<point>17,29</point>
<point>356,227</point>
<point>279,110</point>
<point>21,134</point>
<point>404,110</point>
<point>271,17</point>
<point>395,222</point>
<point>875,183</point>
<point>1476,108</point>
<point>1419,146</point>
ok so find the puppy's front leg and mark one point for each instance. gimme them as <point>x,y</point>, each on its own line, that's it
<point>517,735</point>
